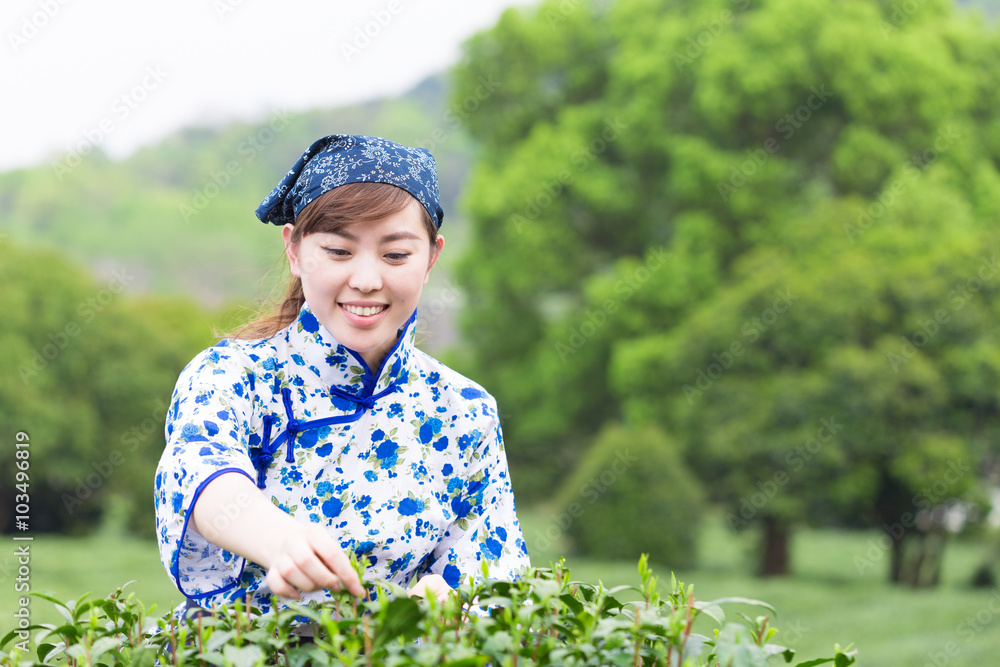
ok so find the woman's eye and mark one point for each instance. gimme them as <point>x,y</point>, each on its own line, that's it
<point>337,252</point>
<point>397,256</point>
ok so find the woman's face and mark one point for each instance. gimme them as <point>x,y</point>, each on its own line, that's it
<point>363,282</point>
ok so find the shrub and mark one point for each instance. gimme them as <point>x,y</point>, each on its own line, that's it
<point>632,494</point>
<point>543,619</point>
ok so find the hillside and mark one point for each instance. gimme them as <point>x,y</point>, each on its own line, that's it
<point>179,214</point>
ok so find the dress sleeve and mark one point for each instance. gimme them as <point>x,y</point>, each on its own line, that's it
<point>208,433</point>
<point>484,527</point>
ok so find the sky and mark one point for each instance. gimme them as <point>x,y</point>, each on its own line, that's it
<point>121,74</point>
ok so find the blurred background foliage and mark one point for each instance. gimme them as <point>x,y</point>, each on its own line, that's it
<point>746,251</point>
<point>823,179</point>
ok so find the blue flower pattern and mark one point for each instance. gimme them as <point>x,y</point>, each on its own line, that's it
<point>339,159</point>
<point>414,486</point>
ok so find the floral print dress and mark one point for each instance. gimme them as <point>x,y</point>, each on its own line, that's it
<point>405,466</point>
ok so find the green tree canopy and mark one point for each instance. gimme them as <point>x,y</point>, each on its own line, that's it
<point>87,372</point>
<point>809,180</point>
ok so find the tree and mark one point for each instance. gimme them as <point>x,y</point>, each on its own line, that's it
<point>842,151</point>
<point>830,385</point>
<point>87,374</point>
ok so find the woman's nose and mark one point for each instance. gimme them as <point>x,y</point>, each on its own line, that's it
<point>365,275</point>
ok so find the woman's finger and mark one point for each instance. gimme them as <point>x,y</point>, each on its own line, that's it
<point>280,587</point>
<point>434,584</point>
<point>312,571</point>
<point>337,562</point>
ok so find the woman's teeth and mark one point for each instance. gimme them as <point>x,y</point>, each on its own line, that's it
<point>366,311</point>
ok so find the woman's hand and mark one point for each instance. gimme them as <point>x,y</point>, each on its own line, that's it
<point>433,584</point>
<point>299,558</point>
<point>307,560</point>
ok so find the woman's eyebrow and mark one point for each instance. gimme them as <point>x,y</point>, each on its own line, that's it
<point>346,235</point>
<point>388,238</point>
<point>399,236</point>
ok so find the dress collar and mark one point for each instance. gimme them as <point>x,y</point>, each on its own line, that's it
<point>314,352</point>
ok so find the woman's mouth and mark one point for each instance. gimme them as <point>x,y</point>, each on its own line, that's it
<point>364,317</point>
<point>363,311</point>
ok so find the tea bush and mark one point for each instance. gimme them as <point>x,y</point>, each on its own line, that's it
<point>545,618</point>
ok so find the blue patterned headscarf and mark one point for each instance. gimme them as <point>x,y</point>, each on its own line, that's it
<point>351,158</point>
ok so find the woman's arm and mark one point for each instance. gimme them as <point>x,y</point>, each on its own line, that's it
<point>234,514</point>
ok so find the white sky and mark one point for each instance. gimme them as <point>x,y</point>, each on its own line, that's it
<point>65,65</point>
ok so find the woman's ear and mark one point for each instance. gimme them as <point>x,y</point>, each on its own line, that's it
<point>435,253</point>
<point>291,250</point>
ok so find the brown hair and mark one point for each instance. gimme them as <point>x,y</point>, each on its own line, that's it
<point>354,202</point>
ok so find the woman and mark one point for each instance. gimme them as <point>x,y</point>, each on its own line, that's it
<point>321,429</point>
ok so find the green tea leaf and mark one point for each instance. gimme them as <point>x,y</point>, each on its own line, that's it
<point>399,618</point>
<point>747,601</point>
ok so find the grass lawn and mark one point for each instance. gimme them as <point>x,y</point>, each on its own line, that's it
<point>827,600</point>
<point>69,567</point>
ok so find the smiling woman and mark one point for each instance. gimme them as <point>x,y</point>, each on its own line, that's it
<point>364,277</point>
<point>321,429</point>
